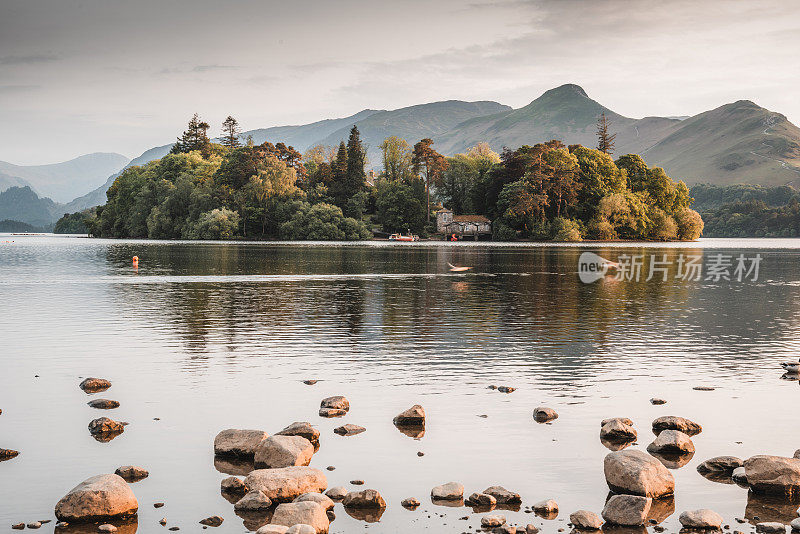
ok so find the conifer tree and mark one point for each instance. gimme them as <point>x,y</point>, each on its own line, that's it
<point>230,133</point>
<point>194,138</point>
<point>605,140</point>
<point>431,164</point>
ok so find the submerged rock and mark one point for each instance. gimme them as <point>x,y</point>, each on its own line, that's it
<point>452,491</point>
<point>671,422</point>
<point>506,389</point>
<point>635,472</point>
<point>103,404</point>
<point>627,510</point>
<point>773,475</point>
<point>657,402</point>
<point>319,498</point>
<point>702,519</point>
<point>236,442</point>
<point>338,493</point>
<point>720,464</point>
<point>543,414</point>
<point>410,503</point>
<point>368,498</point>
<point>672,442</point>
<point>617,430</point>
<point>337,402</point>
<point>132,473</point>
<point>585,520</point>
<point>349,430</point>
<point>481,499</point>
<point>96,498</point>
<point>287,483</point>
<point>283,451</point>
<point>213,521</point>
<point>302,429</point>
<point>770,527</point>
<point>548,507</point>
<point>331,412</point>
<point>254,500</point>
<point>301,513</point>
<point>233,485</point>
<point>502,495</point>
<point>94,385</point>
<point>104,425</point>
<point>7,454</point>
<point>491,521</point>
<point>414,416</point>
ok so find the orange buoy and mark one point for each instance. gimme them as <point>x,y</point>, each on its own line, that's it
<point>136,261</point>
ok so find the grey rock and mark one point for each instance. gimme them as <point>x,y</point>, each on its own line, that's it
<point>338,493</point>
<point>481,499</point>
<point>349,430</point>
<point>283,451</point>
<point>671,442</point>
<point>773,475</point>
<point>287,483</point>
<point>233,485</point>
<point>213,521</point>
<point>452,491</point>
<point>671,422</point>
<point>302,429</point>
<point>502,495</point>
<point>236,442</point>
<point>702,519</point>
<point>627,510</point>
<point>656,401</point>
<point>272,529</point>
<point>543,414</point>
<point>337,402</point>
<point>414,416</point>
<point>319,498</point>
<point>132,473</point>
<point>720,464</point>
<point>491,521</point>
<point>739,476</point>
<point>548,506</point>
<point>585,520</point>
<point>302,513</point>
<point>795,524</point>
<point>634,472</point>
<point>254,500</point>
<point>368,498</point>
<point>771,527</point>
<point>301,529</point>
<point>617,430</point>
<point>96,498</point>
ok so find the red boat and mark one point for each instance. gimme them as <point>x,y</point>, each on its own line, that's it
<point>401,237</point>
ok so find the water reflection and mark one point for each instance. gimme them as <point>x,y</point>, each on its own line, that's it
<point>770,508</point>
<point>127,526</point>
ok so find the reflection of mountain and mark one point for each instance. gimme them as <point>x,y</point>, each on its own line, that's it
<point>523,310</point>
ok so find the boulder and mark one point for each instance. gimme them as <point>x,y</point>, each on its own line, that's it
<point>96,498</point>
<point>233,485</point>
<point>452,491</point>
<point>585,520</point>
<point>795,524</point>
<point>104,425</point>
<point>635,472</point>
<point>617,430</point>
<point>337,494</point>
<point>302,513</point>
<point>410,503</point>
<point>548,506</point>
<point>773,475</point>
<point>272,529</point>
<point>739,476</point>
<point>319,498</point>
<point>627,510</point>
<point>7,454</point>
<point>671,422</point>
<point>287,483</point>
<point>671,442</point>
<point>213,521</point>
<point>103,404</point>
<point>502,495</point>
<point>481,499</point>
<point>797,453</point>
<point>283,451</point>
<point>414,416</point>
<point>542,414</point>
<point>95,385</point>
<point>302,429</point>
<point>235,442</point>
<point>301,529</point>
<point>624,420</point>
<point>720,464</point>
<point>504,529</point>
<point>701,519</point>
<point>349,430</point>
<point>491,521</point>
<point>771,527</point>
<point>255,500</point>
<point>132,473</point>
<point>368,498</point>
<point>337,402</point>
<point>531,529</point>
<point>331,412</point>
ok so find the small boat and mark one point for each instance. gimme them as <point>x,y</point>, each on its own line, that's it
<point>401,237</point>
<point>458,269</point>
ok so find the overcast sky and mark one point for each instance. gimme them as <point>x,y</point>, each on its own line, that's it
<point>80,76</point>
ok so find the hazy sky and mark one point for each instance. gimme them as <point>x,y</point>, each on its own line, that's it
<point>79,76</point>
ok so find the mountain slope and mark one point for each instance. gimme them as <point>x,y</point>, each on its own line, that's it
<point>63,181</point>
<point>23,204</point>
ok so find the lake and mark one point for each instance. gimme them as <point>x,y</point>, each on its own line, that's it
<point>206,336</point>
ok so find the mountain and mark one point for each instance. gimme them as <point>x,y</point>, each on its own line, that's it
<point>63,181</point>
<point>23,204</point>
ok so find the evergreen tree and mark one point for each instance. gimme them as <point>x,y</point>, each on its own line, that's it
<point>431,164</point>
<point>230,133</point>
<point>194,138</point>
<point>605,140</point>
<point>355,161</point>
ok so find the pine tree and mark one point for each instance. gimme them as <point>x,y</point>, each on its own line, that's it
<point>194,138</point>
<point>431,164</point>
<point>230,133</point>
<point>605,141</point>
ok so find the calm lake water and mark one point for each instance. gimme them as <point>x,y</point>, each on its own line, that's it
<point>207,336</point>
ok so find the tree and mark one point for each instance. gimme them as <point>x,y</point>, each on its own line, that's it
<point>396,158</point>
<point>194,138</point>
<point>431,165</point>
<point>398,207</point>
<point>605,140</point>
<point>230,133</point>
<point>274,180</point>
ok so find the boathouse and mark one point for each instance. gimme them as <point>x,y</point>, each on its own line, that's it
<point>463,226</point>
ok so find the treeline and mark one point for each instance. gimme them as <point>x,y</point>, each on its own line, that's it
<point>749,210</point>
<point>207,190</point>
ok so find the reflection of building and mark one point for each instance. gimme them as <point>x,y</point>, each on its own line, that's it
<point>462,226</point>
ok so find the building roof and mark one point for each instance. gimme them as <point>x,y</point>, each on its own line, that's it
<point>444,210</point>
<point>470,219</point>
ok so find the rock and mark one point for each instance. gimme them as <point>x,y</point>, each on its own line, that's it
<point>106,528</point>
<point>337,402</point>
<point>617,430</point>
<point>95,385</point>
<point>720,464</point>
<point>531,529</point>
<point>349,430</point>
<point>234,465</point>
<point>585,520</point>
<point>656,401</point>
<point>158,505</point>
<point>287,483</point>
<point>502,495</point>
<point>131,473</point>
<point>18,526</point>
<point>213,521</point>
<point>410,503</point>
<point>671,422</point>
<point>35,525</point>
<point>770,527</point>
<point>235,442</point>
<point>627,510</point>
<point>795,524</point>
<point>233,485</point>
<point>310,382</point>
<point>504,529</point>
<point>357,482</point>
<point>701,519</point>
<point>301,529</point>
<point>337,494</point>
<point>302,429</point>
<point>773,475</point>
<point>104,425</point>
<point>331,412</point>
<point>548,506</point>
<point>301,513</point>
<point>481,499</point>
<point>543,414</point>
<point>162,521</point>
<point>506,389</point>
<point>272,529</point>
<point>283,451</point>
<point>797,453</point>
<point>254,500</point>
<point>103,404</point>
<point>672,442</point>
<point>637,473</point>
<point>703,388</point>
<point>96,498</point>
<point>452,491</point>
<point>739,476</point>
<point>491,521</point>
<point>624,420</point>
<point>414,416</point>
<point>7,454</point>
<point>368,498</point>
<point>322,500</point>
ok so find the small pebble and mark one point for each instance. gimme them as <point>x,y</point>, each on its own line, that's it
<point>357,482</point>
<point>331,468</point>
<point>158,505</point>
<point>35,525</point>
<point>420,453</point>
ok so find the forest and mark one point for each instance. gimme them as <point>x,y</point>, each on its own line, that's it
<point>233,189</point>
<point>748,210</point>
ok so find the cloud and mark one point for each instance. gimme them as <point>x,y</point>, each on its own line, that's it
<point>27,59</point>
<point>15,89</point>
<point>211,68</point>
